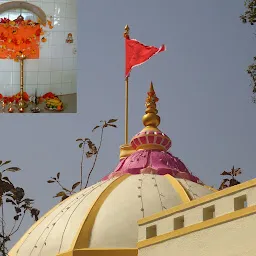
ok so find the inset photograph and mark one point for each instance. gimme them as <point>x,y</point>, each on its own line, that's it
<point>38,57</point>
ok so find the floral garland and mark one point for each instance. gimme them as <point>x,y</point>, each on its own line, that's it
<point>9,39</point>
<point>15,98</point>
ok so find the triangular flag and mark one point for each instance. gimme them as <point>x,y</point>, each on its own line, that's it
<point>138,53</point>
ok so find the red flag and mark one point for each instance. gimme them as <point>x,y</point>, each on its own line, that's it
<point>138,53</point>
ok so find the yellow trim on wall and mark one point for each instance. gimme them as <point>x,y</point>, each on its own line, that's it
<point>199,201</point>
<point>102,252</point>
<point>178,188</point>
<point>69,253</point>
<point>211,188</point>
<point>83,236</point>
<point>199,226</point>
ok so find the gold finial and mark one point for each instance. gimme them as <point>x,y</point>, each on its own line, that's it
<point>151,119</point>
<point>22,56</point>
<point>126,150</point>
<point>126,31</point>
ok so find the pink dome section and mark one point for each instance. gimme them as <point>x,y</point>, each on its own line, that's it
<point>159,163</point>
<point>151,138</point>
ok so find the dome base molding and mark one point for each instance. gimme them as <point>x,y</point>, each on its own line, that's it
<point>102,252</point>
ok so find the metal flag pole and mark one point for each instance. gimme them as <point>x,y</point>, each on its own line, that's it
<point>126,34</point>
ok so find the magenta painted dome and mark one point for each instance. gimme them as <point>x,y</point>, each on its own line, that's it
<point>147,152</point>
<point>154,162</point>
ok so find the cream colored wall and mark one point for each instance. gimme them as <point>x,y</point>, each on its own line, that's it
<point>194,215</point>
<point>235,238</point>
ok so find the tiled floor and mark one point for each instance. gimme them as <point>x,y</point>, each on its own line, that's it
<point>69,101</point>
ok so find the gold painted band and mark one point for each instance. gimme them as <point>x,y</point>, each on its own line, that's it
<point>178,188</point>
<point>102,252</point>
<point>83,236</point>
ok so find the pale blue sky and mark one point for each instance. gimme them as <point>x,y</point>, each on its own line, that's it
<point>205,98</point>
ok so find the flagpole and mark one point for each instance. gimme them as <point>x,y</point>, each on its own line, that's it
<point>126,109</point>
<point>126,33</point>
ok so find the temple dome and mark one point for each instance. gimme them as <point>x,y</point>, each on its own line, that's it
<point>147,180</point>
<point>105,215</point>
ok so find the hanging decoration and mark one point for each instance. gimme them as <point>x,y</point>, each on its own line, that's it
<point>21,36</point>
<point>69,39</point>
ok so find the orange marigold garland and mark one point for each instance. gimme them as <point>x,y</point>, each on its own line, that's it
<point>15,98</point>
<point>21,35</point>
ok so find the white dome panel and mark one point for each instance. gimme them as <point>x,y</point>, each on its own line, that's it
<point>116,222</point>
<point>56,230</point>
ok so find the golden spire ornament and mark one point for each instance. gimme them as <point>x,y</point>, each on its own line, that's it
<point>151,119</point>
<point>151,138</point>
<point>126,30</point>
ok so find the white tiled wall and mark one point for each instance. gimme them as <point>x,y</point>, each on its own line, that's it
<point>56,69</point>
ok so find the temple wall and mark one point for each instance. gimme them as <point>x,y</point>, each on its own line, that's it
<point>234,238</point>
<point>55,70</point>
<point>218,224</point>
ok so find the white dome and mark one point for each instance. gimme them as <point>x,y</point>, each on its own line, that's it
<point>105,215</point>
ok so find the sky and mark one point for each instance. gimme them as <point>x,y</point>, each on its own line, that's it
<point>205,98</point>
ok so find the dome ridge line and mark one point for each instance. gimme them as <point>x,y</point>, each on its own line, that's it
<point>178,188</point>
<point>85,194</point>
<point>34,226</point>
<point>82,239</point>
